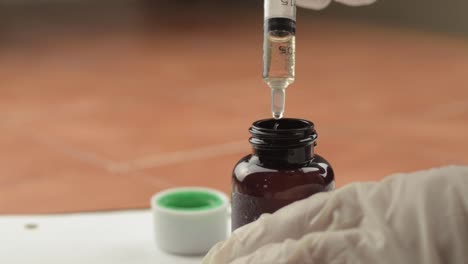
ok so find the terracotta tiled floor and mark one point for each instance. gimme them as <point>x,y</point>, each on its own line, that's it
<point>104,122</point>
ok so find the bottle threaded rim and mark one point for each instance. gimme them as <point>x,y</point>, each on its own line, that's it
<point>282,133</point>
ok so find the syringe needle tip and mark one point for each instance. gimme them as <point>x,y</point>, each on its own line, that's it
<point>277,102</point>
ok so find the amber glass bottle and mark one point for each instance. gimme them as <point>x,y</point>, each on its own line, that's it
<point>282,169</point>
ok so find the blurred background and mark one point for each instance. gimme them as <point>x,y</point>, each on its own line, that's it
<point>103,103</point>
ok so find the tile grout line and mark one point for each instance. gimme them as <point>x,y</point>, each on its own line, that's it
<point>439,111</point>
<point>449,109</point>
<point>147,162</point>
<point>83,156</point>
<point>95,160</point>
<point>206,152</point>
<point>233,147</point>
<point>193,154</point>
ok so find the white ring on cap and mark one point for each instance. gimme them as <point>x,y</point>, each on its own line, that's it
<point>189,231</point>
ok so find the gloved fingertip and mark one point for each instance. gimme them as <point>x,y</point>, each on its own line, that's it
<point>356,2</point>
<point>313,4</point>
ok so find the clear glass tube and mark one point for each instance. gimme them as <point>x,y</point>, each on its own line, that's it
<point>279,50</point>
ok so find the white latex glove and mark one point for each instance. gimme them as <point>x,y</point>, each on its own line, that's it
<point>320,4</point>
<point>420,217</point>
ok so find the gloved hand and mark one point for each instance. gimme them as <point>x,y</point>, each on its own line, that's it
<point>320,4</point>
<point>420,217</point>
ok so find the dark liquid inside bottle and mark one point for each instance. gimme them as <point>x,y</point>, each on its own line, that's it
<point>282,169</point>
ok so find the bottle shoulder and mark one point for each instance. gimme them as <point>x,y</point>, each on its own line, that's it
<point>248,165</point>
<point>252,160</point>
<point>251,166</point>
<point>325,168</point>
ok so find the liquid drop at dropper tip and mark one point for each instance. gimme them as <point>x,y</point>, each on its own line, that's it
<point>277,115</point>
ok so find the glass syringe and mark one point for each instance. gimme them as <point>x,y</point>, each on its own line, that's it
<point>279,50</point>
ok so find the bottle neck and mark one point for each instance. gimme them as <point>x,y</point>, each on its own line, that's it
<point>286,142</point>
<point>285,157</point>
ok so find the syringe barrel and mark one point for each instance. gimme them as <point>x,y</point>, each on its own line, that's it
<point>279,46</point>
<point>279,50</point>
